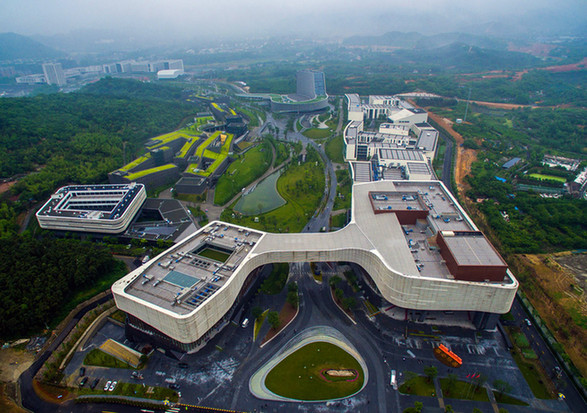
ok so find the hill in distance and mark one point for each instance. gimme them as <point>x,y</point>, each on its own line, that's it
<point>14,46</point>
<point>414,40</point>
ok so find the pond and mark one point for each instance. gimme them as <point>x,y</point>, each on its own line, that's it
<point>263,198</point>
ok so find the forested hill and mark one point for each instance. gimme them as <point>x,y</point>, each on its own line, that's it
<point>78,137</point>
<point>14,46</point>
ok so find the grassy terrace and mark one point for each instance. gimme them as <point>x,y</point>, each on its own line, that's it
<point>136,162</point>
<point>186,147</point>
<point>242,172</point>
<point>146,172</point>
<point>218,157</point>
<point>202,147</point>
<point>169,137</point>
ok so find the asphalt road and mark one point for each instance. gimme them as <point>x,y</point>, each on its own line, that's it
<point>30,400</point>
<point>564,385</point>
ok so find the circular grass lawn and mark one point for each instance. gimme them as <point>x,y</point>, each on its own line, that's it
<point>303,374</point>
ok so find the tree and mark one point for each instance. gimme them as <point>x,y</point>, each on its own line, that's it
<point>418,406</point>
<point>477,410</point>
<point>292,286</point>
<point>348,303</point>
<point>338,293</point>
<point>293,299</point>
<point>273,319</point>
<point>431,372</point>
<point>448,409</point>
<point>334,280</point>
<point>502,386</point>
<point>257,312</point>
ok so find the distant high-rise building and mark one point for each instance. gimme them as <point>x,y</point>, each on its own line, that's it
<point>54,74</point>
<point>175,64</point>
<point>310,84</point>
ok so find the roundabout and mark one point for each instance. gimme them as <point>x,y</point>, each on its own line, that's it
<point>317,365</point>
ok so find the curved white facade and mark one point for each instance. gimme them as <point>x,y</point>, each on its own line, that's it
<point>374,241</point>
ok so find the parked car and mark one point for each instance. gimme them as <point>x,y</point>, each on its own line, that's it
<point>82,371</point>
<point>528,322</point>
<point>83,382</point>
<point>113,386</point>
<point>107,386</point>
<point>94,384</point>
<point>174,386</point>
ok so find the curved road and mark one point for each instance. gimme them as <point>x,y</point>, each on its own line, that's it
<point>29,397</point>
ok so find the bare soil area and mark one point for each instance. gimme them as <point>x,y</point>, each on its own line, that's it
<point>5,186</point>
<point>13,363</point>
<point>465,157</point>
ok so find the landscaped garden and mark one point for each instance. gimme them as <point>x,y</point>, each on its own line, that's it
<point>315,133</point>
<point>242,172</point>
<point>302,186</point>
<point>97,357</point>
<point>317,371</point>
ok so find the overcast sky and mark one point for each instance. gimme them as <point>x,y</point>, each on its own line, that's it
<point>184,19</point>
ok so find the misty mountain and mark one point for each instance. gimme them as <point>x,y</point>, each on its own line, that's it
<point>415,40</point>
<point>86,41</point>
<point>14,46</point>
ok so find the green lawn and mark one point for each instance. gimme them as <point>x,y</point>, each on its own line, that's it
<point>507,399</point>
<point>418,386</point>
<point>299,376</point>
<point>242,172</point>
<point>97,357</point>
<point>463,390</point>
<point>548,177</point>
<point>338,221</point>
<point>344,187</point>
<point>315,133</point>
<point>302,186</point>
<point>214,254</point>
<point>533,378</point>
<point>334,148</point>
<point>132,390</point>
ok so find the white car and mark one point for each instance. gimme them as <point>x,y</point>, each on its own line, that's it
<point>113,385</point>
<point>107,386</point>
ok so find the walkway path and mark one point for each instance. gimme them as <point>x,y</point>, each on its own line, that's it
<point>438,391</point>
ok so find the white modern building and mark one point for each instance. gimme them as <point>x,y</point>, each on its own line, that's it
<point>54,74</point>
<point>107,209</point>
<point>416,245</point>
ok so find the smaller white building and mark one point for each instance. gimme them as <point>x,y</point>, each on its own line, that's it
<point>169,74</point>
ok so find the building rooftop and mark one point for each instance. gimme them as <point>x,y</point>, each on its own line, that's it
<point>91,202</point>
<point>193,270</point>
<point>471,248</point>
